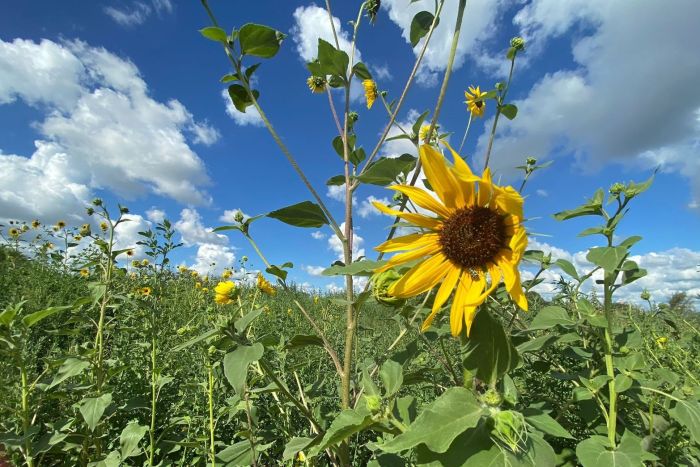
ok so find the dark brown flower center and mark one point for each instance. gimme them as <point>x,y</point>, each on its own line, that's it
<point>472,236</point>
<point>478,104</point>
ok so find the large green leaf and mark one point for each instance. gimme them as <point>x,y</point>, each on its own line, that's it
<point>364,267</point>
<point>596,452</point>
<point>551,316</point>
<point>214,33</point>
<point>93,408</point>
<point>488,353</point>
<point>384,170</point>
<point>295,445</point>
<point>236,364</point>
<point>391,374</point>
<point>346,424</point>
<point>238,454</point>
<point>33,318</point>
<point>546,424</point>
<point>509,111</point>
<point>607,257</point>
<point>130,438</point>
<point>420,25</point>
<point>71,367</point>
<point>332,60</point>
<point>240,97</point>
<point>304,214</point>
<point>259,40</point>
<point>687,413</point>
<point>440,422</point>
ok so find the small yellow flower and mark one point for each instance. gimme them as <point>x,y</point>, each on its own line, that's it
<point>301,457</point>
<point>475,102</point>
<point>130,253</point>
<point>195,274</point>
<point>85,230</point>
<point>136,263</point>
<point>265,286</point>
<point>77,238</point>
<point>49,246</point>
<point>145,262</point>
<point>224,292</point>
<point>371,92</point>
<point>316,299</point>
<point>423,135</point>
<point>661,342</point>
<point>133,275</point>
<point>289,311</point>
<point>61,224</point>
<point>104,226</point>
<point>146,291</point>
<point>25,228</point>
<point>84,272</point>
<point>35,224</point>
<point>205,290</point>
<point>226,274</point>
<point>14,232</point>
<point>198,285</point>
<point>317,84</point>
<point>182,268</point>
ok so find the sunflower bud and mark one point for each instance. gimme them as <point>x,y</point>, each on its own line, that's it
<point>90,211</point>
<point>123,210</point>
<point>518,43</point>
<point>381,284</point>
<point>317,84</point>
<point>97,202</point>
<point>374,403</point>
<point>531,161</point>
<point>617,188</point>
<point>645,295</point>
<point>492,398</point>
<point>509,428</point>
<point>372,7</point>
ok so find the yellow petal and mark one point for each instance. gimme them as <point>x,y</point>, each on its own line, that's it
<point>422,277</point>
<point>423,199</point>
<point>511,277</point>
<point>440,177</point>
<point>402,258</point>
<point>407,242</point>
<point>416,219</point>
<point>485,188</point>
<point>457,310</point>
<point>476,300</point>
<point>443,294</point>
<point>469,315</point>
<point>509,200</point>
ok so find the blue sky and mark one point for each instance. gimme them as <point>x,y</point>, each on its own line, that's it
<point>122,100</point>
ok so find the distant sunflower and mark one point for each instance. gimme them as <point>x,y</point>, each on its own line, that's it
<point>61,224</point>
<point>14,232</point>
<point>146,291</point>
<point>477,233</point>
<point>224,292</point>
<point>317,84</point>
<point>475,101</point>
<point>35,224</point>
<point>84,272</point>
<point>371,92</point>
<point>265,286</point>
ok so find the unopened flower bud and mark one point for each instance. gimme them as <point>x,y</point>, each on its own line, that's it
<point>372,7</point>
<point>123,209</point>
<point>531,161</point>
<point>617,188</point>
<point>492,398</point>
<point>238,217</point>
<point>97,202</point>
<point>382,282</point>
<point>645,295</point>
<point>374,403</point>
<point>518,43</point>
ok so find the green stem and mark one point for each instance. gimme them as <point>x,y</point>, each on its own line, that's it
<point>153,390</point>
<point>610,369</point>
<point>466,131</point>
<point>498,114</point>
<point>26,416</point>
<point>210,396</point>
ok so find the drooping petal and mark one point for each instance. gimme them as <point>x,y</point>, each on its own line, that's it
<point>443,293</point>
<point>457,310</point>
<point>440,177</point>
<point>476,300</point>
<point>422,277</point>
<point>407,242</point>
<point>469,315</point>
<point>423,199</point>
<point>485,188</point>
<point>417,219</point>
<point>402,258</point>
<point>511,277</point>
<point>509,200</point>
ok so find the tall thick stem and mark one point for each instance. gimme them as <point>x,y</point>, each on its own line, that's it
<point>609,367</point>
<point>26,417</point>
<point>210,398</point>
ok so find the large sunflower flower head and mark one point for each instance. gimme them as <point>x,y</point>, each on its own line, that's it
<point>474,241</point>
<point>475,101</point>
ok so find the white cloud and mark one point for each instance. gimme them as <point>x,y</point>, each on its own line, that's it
<point>155,215</point>
<point>617,104</point>
<point>251,117</point>
<point>366,209</point>
<point>127,234</point>
<point>335,245</point>
<point>205,134</point>
<point>542,193</point>
<point>193,232</point>
<point>478,24</point>
<point>318,235</point>
<point>382,73</point>
<point>213,259</point>
<point>311,23</point>
<point>314,270</point>
<point>100,129</point>
<point>334,288</point>
<point>138,12</point>
<point>336,192</point>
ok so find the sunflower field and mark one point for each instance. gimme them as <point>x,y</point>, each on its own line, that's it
<point>437,352</point>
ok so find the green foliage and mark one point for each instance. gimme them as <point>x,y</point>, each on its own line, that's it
<point>304,214</point>
<point>420,26</point>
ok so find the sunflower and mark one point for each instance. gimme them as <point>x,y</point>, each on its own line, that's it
<point>265,286</point>
<point>61,224</point>
<point>104,226</point>
<point>370,91</point>
<point>84,272</point>
<point>130,252</point>
<point>146,291</point>
<point>317,84</point>
<point>477,233</point>
<point>475,101</point>
<point>226,274</point>
<point>36,224</point>
<point>223,292</point>
<point>14,232</point>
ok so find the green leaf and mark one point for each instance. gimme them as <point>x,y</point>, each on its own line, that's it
<point>260,41</point>
<point>238,454</point>
<point>244,321</point>
<point>130,438</point>
<point>536,344</point>
<point>364,267</point>
<point>630,241</point>
<point>215,34</point>
<point>440,422</point>
<point>551,316</point>
<point>240,98</point>
<point>71,367</point>
<point>546,424</point>
<point>294,446</point>
<point>195,340</point>
<point>567,267</point>
<point>332,60</point>
<point>488,353</point>
<point>591,231</point>
<point>336,180</point>
<point>391,374</point>
<point>33,318</point>
<point>357,156</point>
<point>360,69</point>
<point>419,122</point>
<point>304,214</point>
<point>631,272</point>
<point>385,170</point>
<point>230,77</point>
<point>302,340</point>
<point>346,424</point>
<point>687,413</point>
<point>93,408</point>
<point>420,26</point>
<point>596,452</point>
<point>623,383</point>
<point>236,364</point>
<point>9,314</point>
<point>112,460</point>
<point>509,111</point>
<point>278,271</point>
<point>607,257</point>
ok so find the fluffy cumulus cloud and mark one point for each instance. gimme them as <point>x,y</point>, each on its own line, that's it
<point>251,117</point>
<point>155,215</point>
<point>138,12</point>
<point>631,96</point>
<point>336,246</point>
<point>668,272</point>
<point>100,129</point>
<point>478,25</point>
<point>213,251</point>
